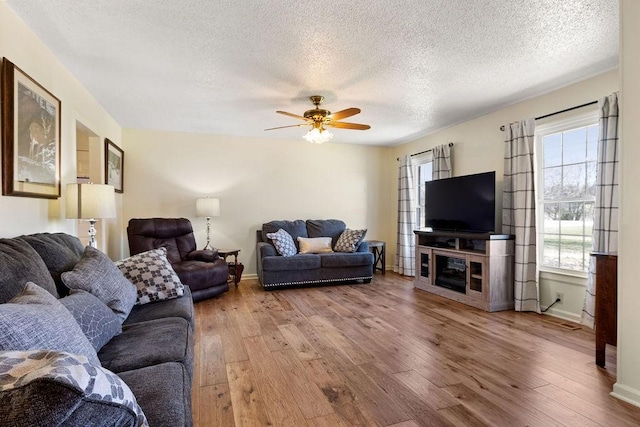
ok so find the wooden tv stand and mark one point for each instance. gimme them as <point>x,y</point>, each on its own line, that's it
<point>473,268</point>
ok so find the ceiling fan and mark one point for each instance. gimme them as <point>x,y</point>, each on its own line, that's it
<point>318,118</point>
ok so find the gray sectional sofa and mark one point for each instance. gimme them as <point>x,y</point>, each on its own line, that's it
<point>277,271</point>
<point>153,354</point>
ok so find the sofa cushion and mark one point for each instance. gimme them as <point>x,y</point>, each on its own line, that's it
<point>297,262</point>
<point>98,323</point>
<point>326,228</point>
<point>153,276</point>
<point>339,260</point>
<point>163,392</point>
<point>34,320</point>
<point>283,243</point>
<point>19,264</point>
<point>59,251</point>
<point>55,388</point>
<point>349,240</point>
<point>315,245</point>
<point>98,275</point>
<point>296,229</point>
<point>177,307</point>
<point>149,343</point>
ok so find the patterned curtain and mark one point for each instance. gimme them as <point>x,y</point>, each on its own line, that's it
<point>605,213</point>
<point>441,162</point>
<point>519,213</point>
<point>405,251</point>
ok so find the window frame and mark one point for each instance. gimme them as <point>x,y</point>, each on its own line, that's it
<point>557,126</point>
<point>417,161</point>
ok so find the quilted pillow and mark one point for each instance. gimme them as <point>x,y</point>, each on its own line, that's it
<point>152,275</point>
<point>35,319</point>
<point>349,240</point>
<point>98,323</point>
<point>98,275</point>
<point>283,242</point>
<point>315,245</point>
<point>56,388</point>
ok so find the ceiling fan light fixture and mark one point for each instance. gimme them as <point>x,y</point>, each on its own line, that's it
<point>318,136</point>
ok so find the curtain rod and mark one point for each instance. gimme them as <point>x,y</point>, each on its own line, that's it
<point>560,112</point>
<point>425,151</point>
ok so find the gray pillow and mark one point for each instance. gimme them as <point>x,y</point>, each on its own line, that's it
<point>44,387</point>
<point>98,275</point>
<point>98,323</point>
<point>35,320</point>
<point>19,264</point>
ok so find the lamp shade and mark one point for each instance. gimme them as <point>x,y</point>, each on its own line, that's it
<point>90,201</point>
<point>207,207</point>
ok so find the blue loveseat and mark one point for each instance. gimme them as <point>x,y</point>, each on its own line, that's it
<point>277,271</point>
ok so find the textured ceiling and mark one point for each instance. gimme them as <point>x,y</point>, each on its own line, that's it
<point>412,66</point>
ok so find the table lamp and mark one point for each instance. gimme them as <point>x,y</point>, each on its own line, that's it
<point>91,202</point>
<point>208,207</point>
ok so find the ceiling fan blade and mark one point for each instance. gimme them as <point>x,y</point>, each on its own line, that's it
<point>343,125</point>
<point>295,116</point>
<point>290,126</point>
<point>344,113</point>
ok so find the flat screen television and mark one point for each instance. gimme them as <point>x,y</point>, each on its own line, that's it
<point>462,203</point>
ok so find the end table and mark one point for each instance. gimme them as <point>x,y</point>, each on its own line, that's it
<point>235,268</point>
<point>378,249</point>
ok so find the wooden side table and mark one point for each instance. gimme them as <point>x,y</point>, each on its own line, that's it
<point>378,249</point>
<point>234,271</point>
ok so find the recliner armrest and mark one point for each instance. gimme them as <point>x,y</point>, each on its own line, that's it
<point>205,255</point>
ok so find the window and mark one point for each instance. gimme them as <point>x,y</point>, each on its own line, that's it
<point>566,192</point>
<point>422,172</point>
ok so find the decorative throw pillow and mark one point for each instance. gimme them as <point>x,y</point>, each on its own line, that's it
<point>152,275</point>
<point>283,242</point>
<point>98,275</point>
<point>35,319</point>
<point>98,323</point>
<point>314,245</point>
<point>349,240</point>
<point>59,388</point>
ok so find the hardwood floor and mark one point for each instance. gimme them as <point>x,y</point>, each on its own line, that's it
<point>384,354</point>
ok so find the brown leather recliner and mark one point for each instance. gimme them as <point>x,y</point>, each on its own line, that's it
<point>203,271</point>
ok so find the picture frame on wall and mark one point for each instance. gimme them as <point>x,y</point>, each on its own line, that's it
<point>30,136</point>
<point>113,165</point>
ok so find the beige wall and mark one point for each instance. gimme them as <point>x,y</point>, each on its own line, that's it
<point>21,215</point>
<point>256,180</point>
<point>627,386</point>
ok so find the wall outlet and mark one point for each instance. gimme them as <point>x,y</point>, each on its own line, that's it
<point>559,296</point>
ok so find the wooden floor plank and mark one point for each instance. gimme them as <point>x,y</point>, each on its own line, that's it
<point>310,399</point>
<point>274,387</point>
<point>211,368</point>
<point>247,404</point>
<point>386,354</point>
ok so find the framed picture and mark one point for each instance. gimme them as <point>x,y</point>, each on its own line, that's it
<point>113,165</point>
<point>30,136</point>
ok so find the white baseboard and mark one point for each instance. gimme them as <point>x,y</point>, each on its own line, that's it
<point>564,315</point>
<point>626,394</point>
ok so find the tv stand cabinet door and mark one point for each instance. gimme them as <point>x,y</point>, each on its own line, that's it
<point>424,268</point>
<point>477,283</point>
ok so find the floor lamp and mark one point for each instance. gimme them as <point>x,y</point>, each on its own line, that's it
<point>91,202</point>
<point>208,207</point>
